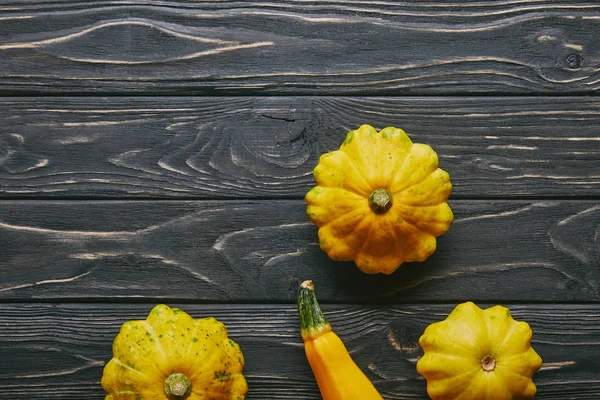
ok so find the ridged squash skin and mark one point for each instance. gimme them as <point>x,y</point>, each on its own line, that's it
<point>168,343</point>
<point>478,354</point>
<point>401,222</point>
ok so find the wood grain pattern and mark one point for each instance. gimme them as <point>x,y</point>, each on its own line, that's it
<point>260,250</point>
<point>258,147</point>
<point>298,46</point>
<point>113,203</point>
<point>58,351</point>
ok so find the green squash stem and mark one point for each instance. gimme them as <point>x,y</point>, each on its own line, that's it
<point>312,321</point>
<point>178,386</point>
<point>380,200</point>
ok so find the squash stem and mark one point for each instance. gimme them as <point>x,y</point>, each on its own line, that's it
<point>178,386</point>
<point>312,321</point>
<point>488,363</point>
<point>380,200</point>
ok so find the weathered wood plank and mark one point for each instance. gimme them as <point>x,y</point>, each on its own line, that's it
<point>254,147</point>
<point>51,351</point>
<point>332,47</point>
<point>260,250</point>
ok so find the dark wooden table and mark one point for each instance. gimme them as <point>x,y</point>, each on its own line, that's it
<point>159,151</point>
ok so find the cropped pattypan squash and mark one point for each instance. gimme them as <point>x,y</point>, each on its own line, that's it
<point>380,200</point>
<point>478,354</point>
<point>171,356</point>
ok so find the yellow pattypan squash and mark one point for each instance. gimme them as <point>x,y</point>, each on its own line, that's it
<point>478,354</point>
<point>171,356</point>
<point>380,200</point>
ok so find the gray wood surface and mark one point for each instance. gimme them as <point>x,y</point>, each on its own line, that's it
<point>260,250</point>
<point>267,147</point>
<point>292,47</point>
<point>58,351</point>
<point>159,150</point>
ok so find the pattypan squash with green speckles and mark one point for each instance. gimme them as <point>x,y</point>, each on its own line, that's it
<point>171,356</point>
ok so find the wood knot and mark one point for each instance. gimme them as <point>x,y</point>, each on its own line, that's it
<point>574,61</point>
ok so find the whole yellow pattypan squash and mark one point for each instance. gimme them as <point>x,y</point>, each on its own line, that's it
<point>478,354</point>
<point>380,200</point>
<point>171,356</point>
